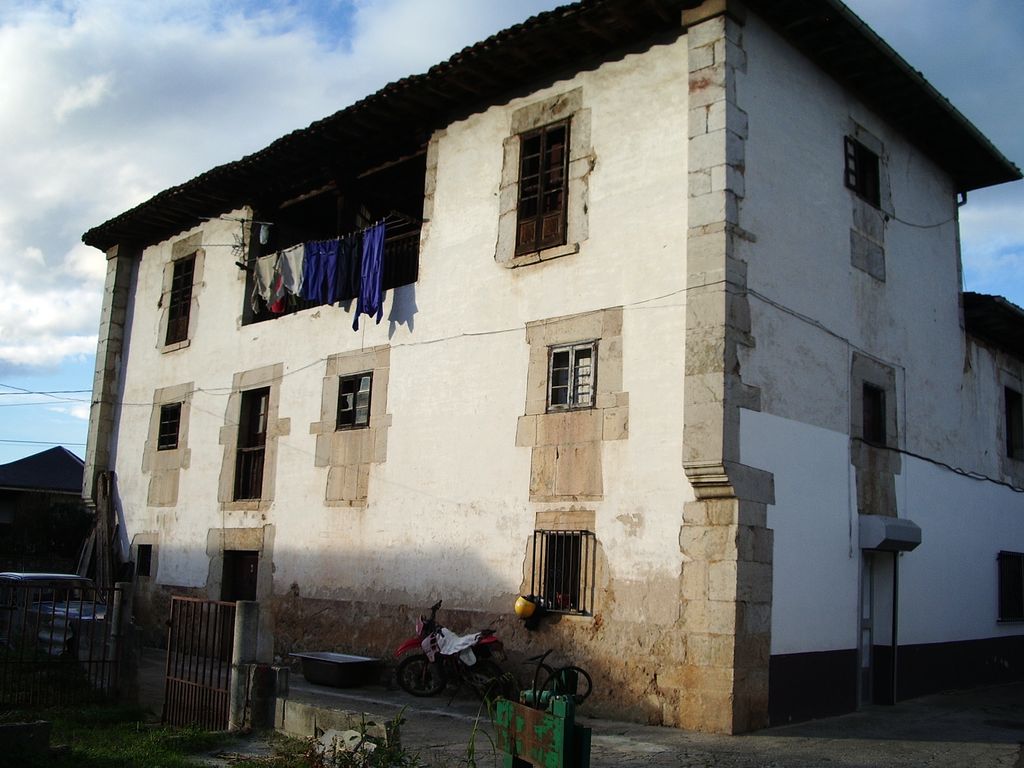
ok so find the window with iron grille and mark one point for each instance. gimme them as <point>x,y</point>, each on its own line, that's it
<point>144,560</point>
<point>252,442</point>
<point>873,401</point>
<point>543,187</point>
<point>1014,424</point>
<point>180,300</point>
<point>863,172</point>
<point>572,376</point>
<point>1011,586</point>
<point>564,570</point>
<point>354,401</point>
<point>170,425</point>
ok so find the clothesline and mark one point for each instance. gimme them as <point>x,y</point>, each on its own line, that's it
<point>325,271</point>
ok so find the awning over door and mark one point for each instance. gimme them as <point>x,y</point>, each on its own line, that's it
<point>888,534</point>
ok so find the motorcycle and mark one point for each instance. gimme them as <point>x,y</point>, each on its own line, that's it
<point>447,658</point>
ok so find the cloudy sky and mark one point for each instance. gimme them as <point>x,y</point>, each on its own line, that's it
<point>104,103</point>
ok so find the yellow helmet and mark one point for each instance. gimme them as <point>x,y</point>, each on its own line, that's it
<point>525,606</point>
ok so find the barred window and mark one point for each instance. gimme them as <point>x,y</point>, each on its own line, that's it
<point>543,187</point>
<point>572,376</point>
<point>180,302</point>
<point>1011,586</point>
<point>862,172</point>
<point>170,425</point>
<point>354,401</point>
<point>564,570</point>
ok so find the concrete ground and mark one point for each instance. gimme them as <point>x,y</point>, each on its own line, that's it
<point>981,728</point>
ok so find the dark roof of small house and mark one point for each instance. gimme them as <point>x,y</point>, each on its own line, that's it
<point>56,470</point>
<point>398,119</point>
<point>995,320</point>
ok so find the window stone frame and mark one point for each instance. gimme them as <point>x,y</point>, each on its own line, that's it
<point>164,467</point>
<point>876,466</point>
<point>182,249</point>
<point>257,378</point>
<point>151,540</point>
<point>349,454</point>
<point>1012,469</point>
<point>566,106</point>
<point>566,459</point>
<point>867,234</point>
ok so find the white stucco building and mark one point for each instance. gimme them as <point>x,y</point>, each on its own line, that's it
<point>673,337</point>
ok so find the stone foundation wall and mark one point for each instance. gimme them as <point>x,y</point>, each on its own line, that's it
<point>634,666</point>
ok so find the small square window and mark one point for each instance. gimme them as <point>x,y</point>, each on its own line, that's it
<point>1014,424</point>
<point>564,570</point>
<point>1011,586</point>
<point>572,376</point>
<point>180,304</point>
<point>170,424</point>
<point>144,560</point>
<point>863,172</point>
<point>873,403</point>
<point>354,401</point>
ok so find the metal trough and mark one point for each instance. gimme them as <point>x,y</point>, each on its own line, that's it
<point>340,670</point>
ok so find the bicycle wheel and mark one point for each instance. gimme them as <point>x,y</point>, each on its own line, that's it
<point>418,676</point>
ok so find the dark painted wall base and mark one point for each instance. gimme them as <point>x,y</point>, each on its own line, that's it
<point>803,686</point>
<point>924,669</point>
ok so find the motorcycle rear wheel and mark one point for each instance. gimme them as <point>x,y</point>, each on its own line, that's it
<point>418,676</point>
<point>488,680</point>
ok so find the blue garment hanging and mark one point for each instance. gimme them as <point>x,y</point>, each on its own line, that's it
<point>349,275</point>
<point>319,276</point>
<point>371,293</point>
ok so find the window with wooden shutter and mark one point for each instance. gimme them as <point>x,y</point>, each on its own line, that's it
<point>180,303</point>
<point>862,173</point>
<point>543,187</point>
<point>252,443</point>
<point>170,425</point>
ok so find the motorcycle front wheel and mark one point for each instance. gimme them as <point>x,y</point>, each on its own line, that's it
<point>418,676</point>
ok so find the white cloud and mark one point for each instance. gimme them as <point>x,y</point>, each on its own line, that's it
<point>80,412</point>
<point>44,351</point>
<point>89,93</point>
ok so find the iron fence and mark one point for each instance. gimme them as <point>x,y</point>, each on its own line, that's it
<point>200,640</point>
<point>57,645</point>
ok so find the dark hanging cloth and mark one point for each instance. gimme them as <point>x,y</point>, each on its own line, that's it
<point>349,277</point>
<point>319,271</point>
<point>371,291</point>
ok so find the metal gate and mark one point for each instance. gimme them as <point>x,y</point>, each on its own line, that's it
<point>57,643</point>
<point>199,643</point>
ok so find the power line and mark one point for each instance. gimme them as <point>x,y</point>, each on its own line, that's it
<point>23,391</point>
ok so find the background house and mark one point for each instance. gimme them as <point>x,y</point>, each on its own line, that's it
<point>673,337</point>
<point>43,521</point>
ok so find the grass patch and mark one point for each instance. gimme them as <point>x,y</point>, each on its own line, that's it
<point>112,737</point>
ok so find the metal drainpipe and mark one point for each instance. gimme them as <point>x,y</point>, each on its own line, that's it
<point>895,616</point>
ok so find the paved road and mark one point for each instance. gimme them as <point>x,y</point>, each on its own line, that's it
<point>983,728</point>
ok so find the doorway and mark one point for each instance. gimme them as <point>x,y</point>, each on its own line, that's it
<point>877,627</point>
<point>239,577</point>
